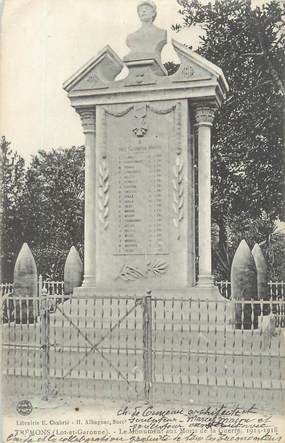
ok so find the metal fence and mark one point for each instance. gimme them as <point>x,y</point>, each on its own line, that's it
<point>276,289</point>
<point>53,287</point>
<point>6,288</point>
<point>141,347</point>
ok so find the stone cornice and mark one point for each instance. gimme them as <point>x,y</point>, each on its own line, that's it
<point>195,94</point>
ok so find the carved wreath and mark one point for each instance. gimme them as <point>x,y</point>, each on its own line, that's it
<point>103,194</point>
<point>153,269</point>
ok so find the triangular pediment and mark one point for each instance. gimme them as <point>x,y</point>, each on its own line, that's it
<point>96,73</point>
<point>195,67</point>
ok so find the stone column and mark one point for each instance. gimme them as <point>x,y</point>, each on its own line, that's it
<point>204,118</point>
<point>87,116</point>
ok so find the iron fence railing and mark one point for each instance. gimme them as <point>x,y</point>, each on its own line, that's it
<point>6,288</point>
<point>143,347</point>
<point>276,289</point>
<point>53,287</point>
<point>224,288</point>
<point>275,292</point>
<point>200,345</point>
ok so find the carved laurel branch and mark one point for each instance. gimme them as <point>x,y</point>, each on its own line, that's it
<point>103,194</point>
<point>156,268</point>
<point>153,269</point>
<point>178,193</point>
<point>130,273</point>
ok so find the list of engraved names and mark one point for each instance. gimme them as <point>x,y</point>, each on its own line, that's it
<point>141,199</point>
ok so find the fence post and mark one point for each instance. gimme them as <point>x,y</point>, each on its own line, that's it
<point>147,344</point>
<point>44,319</point>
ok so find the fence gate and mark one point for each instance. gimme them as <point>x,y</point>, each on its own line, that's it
<point>96,346</point>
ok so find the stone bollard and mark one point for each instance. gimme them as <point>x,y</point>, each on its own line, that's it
<point>73,271</point>
<point>25,286</point>
<point>244,287</point>
<point>261,267</point>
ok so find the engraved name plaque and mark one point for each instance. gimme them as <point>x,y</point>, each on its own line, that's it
<point>141,203</point>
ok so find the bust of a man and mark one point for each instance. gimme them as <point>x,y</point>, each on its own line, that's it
<point>148,41</point>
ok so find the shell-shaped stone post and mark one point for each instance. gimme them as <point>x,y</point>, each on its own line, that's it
<point>73,271</point>
<point>25,286</point>
<point>244,287</point>
<point>262,275</point>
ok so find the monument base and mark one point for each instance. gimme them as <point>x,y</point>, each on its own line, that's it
<point>195,293</point>
<point>205,281</point>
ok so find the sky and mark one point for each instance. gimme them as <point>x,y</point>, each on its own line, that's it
<point>43,42</point>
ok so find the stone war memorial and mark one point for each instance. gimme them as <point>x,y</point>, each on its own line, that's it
<point>147,231</point>
<point>141,318</point>
<point>142,135</point>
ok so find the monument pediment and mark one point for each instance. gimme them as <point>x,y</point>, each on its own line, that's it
<point>97,73</point>
<point>145,69</point>
<point>195,67</point>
